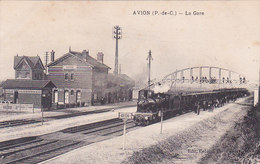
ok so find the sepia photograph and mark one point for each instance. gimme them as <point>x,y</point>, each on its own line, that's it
<point>129,82</point>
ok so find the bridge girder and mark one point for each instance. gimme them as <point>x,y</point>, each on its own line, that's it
<point>174,75</point>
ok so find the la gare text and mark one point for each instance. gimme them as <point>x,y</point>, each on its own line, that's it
<point>174,13</point>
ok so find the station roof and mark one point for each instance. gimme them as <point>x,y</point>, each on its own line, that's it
<point>31,60</point>
<point>83,57</point>
<point>89,59</point>
<point>27,84</point>
<point>121,79</point>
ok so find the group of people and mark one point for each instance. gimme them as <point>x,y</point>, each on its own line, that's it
<point>210,104</point>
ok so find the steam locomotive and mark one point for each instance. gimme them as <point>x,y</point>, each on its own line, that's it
<point>151,106</point>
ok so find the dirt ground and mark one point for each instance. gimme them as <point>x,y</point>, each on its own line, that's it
<point>240,144</point>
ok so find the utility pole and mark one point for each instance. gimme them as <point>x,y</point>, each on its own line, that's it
<point>117,35</point>
<point>46,61</point>
<point>149,58</point>
<point>46,58</point>
<point>119,69</point>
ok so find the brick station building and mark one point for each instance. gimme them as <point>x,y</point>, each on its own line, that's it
<point>28,67</point>
<point>83,80</point>
<point>29,86</point>
<point>23,91</point>
<point>74,79</point>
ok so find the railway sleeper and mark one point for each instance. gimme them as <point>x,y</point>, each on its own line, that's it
<point>27,147</point>
<point>53,148</point>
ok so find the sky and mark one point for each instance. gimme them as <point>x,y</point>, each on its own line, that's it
<point>227,35</point>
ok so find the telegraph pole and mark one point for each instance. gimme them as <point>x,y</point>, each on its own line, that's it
<point>117,35</point>
<point>46,58</point>
<point>46,61</point>
<point>149,58</point>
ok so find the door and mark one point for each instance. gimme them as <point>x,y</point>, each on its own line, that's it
<point>56,95</point>
<point>66,97</point>
<point>46,99</point>
<point>16,97</point>
<point>78,96</point>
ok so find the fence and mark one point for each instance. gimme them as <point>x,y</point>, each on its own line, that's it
<point>8,107</point>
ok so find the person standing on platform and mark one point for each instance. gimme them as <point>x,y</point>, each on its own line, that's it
<point>198,108</point>
<point>205,105</point>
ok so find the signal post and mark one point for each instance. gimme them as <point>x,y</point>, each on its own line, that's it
<point>125,116</point>
<point>161,115</point>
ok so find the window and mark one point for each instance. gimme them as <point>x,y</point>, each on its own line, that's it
<point>95,96</point>
<point>40,76</point>
<point>72,76</point>
<point>66,97</point>
<point>66,76</point>
<point>19,75</point>
<point>78,96</point>
<point>27,75</point>
<point>71,92</point>
<point>56,95</point>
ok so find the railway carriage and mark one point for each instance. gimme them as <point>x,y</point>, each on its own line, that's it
<point>151,105</point>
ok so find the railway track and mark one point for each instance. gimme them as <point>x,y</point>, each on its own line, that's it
<point>37,151</point>
<point>90,126</point>
<point>40,148</point>
<point>13,123</point>
<point>75,114</point>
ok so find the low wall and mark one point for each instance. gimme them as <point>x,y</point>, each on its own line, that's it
<point>6,107</point>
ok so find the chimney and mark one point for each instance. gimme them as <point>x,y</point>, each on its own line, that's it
<point>52,56</point>
<point>100,57</point>
<point>85,53</point>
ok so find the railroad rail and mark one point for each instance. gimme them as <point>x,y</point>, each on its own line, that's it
<point>40,148</point>
<point>11,123</point>
<point>19,122</point>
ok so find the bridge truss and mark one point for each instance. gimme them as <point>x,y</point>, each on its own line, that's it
<point>201,78</point>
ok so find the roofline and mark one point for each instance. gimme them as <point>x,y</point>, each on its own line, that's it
<point>39,59</point>
<point>47,82</point>
<point>88,62</point>
<point>19,62</point>
<point>57,59</point>
<point>68,53</point>
<point>24,57</point>
<point>50,64</point>
<point>81,59</point>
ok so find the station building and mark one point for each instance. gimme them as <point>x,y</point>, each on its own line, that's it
<point>29,85</point>
<point>23,91</point>
<point>29,67</point>
<point>74,79</point>
<point>119,88</point>
<point>82,80</point>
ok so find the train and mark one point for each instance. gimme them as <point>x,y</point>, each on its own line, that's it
<point>151,106</point>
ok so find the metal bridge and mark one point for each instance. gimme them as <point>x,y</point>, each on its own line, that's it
<point>201,78</point>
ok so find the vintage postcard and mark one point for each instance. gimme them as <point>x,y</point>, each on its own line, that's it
<point>133,82</point>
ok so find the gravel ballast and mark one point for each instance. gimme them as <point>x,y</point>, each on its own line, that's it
<point>185,139</point>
